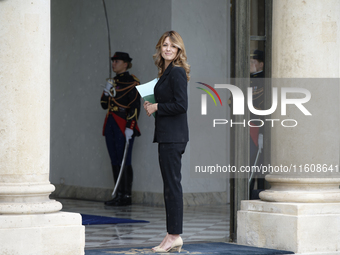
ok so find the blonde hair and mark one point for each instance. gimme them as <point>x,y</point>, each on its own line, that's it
<point>181,58</point>
<point>129,65</point>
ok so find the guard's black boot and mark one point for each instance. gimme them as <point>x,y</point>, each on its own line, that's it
<point>119,194</point>
<point>113,202</point>
<point>125,187</point>
<point>128,183</point>
<point>123,201</point>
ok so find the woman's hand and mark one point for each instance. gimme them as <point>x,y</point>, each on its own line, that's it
<point>150,108</point>
<point>146,103</point>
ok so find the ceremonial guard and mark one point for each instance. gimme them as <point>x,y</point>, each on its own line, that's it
<point>256,133</point>
<point>122,101</point>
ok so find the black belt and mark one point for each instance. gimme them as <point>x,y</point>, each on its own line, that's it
<point>117,109</point>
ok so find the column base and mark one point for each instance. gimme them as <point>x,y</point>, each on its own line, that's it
<point>308,229</point>
<point>53,233</point>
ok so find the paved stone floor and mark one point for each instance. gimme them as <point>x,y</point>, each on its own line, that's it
<point>201,224</point>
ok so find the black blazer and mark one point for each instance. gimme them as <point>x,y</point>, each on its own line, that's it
<point>171,124</point>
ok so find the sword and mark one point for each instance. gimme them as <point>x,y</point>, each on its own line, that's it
<point>108,35</point>
<point>252,173</point>
<point>121,169</point>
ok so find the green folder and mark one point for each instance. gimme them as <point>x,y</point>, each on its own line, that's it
<point>146,91</point>
<point>150,98</point>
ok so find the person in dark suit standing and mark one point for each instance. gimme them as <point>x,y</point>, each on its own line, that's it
<point>171,130</point>
<point>122,101</point>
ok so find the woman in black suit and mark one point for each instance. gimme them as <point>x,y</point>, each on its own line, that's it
<point>171,130</point>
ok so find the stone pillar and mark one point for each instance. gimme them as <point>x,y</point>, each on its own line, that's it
<point>301,210</point>
<point>30,223</point>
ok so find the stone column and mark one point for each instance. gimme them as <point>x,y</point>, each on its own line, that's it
<point>301,210</point>
<point>30,223</point>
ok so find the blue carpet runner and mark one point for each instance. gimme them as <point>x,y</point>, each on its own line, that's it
<point>197,248</point>
<point>96,220</point>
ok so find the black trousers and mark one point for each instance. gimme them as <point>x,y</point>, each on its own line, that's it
<point>115,143</point>
<point>170,155</point>
<point>254,194</point>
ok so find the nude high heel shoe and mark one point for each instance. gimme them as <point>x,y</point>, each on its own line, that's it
<point>155,248</point>
<point>158,246</point>
<point>176,246</point>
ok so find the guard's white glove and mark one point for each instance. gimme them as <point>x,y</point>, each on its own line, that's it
<point>260,142</point>
<point>128,133</point>
<point>108,88</point>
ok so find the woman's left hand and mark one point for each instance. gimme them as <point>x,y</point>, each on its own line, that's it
<point>151,108</point>
<point>146,103</point>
